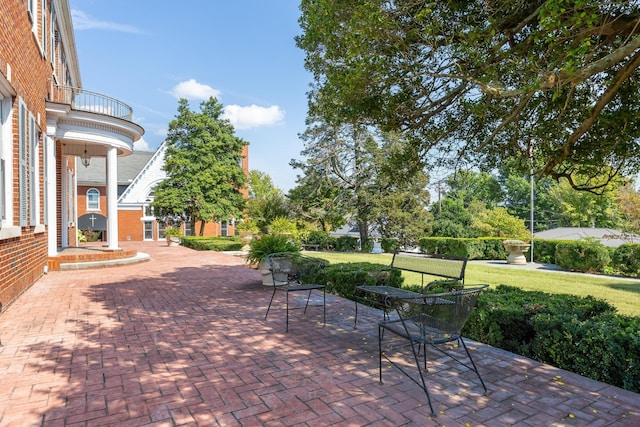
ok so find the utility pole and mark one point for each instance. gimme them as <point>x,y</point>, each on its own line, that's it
<point>531,195</point>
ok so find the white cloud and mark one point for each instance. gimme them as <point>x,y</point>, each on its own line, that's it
<point>191,90</point>
<point>141,145</point>
<point>253,116</point>
<point>81,21</point>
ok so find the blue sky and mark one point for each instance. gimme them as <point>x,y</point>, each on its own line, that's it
<point>149,54</point>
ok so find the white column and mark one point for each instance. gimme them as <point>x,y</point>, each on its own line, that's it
<point>52,219</point>
<point>64,221</point>
<point>112,198</point>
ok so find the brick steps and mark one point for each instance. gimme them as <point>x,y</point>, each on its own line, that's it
<point>93,257</point>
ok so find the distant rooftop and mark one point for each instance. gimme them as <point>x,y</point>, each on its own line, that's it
<point>128,169</point>
<point>607,236</point>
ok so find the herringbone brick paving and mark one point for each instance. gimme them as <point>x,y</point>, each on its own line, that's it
<point>181,340</point>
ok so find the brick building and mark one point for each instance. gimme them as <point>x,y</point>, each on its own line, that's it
<point>138,174</point>
<point>48,124</point>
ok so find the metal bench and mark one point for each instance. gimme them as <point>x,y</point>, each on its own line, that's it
<point>449,270</point>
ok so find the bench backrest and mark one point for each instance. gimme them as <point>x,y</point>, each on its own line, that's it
<point>431,264</point>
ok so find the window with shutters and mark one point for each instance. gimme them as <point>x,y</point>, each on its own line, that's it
<point>3,168</point>
<point>22,163</point>
<point>34,175</point>
<point>45,168</point>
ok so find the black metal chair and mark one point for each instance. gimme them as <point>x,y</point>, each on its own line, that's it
<point>430,319</point>
<point>293,272</point>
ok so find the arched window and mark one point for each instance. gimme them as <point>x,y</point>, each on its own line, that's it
<point>93,199</point>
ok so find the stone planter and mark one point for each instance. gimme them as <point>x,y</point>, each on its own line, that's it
<point>246,237</point>
<point>516,251</point>
<point>173,241</point>
<point>267,277</point>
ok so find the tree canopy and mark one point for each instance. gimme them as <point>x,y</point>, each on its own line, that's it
<point>360,177</point>
<point>484,81</point>
<point>266,202</point>
<point>202,162</point>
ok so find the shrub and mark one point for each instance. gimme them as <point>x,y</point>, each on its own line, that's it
<point>367,246</point>
<point>605,347</point>
<point>545,250</point>
<point>460,247</point>
<point>342,278</point>
<point>626,259</point>
<point>585,256</point>
<point>262,246</point>
<point>389,245</point>
<point>346,244</point>
<point>310,269</point>
<point>493,248</point>
<point>582,335</point>
<point>503,316</point>
<point>319,237</point>
<point>282,225</point>
<point>204,243</point>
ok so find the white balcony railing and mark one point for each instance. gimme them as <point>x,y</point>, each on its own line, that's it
<point>84,100</point>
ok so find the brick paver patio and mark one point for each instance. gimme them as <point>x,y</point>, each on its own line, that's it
<point>182,340</point>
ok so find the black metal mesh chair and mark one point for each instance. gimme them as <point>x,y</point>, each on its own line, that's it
<point>430,319</point>
<point>293,272</point>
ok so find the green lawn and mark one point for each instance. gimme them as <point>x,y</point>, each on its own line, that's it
<point>623,294</point>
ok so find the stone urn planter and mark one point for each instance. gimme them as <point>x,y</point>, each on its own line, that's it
<point>516,249</point>
<point>246,237</point>
<point>173,241</point>
<point>265,271</point>
<point>173,236</point>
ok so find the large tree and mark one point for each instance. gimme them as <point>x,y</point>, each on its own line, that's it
<point>316,198</point>
<point>266,201</point>
<point>370,183</point>
<point>340,155</point>
<point>486,80</point>
<point>202,162</point>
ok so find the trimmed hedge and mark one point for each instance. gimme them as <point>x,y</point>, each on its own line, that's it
<point>626,260</point>
<point>587,256</point>
<point>584,256</point>
<point>389,245</point>
<point>205,243</point>
<point>341,279</point>
<point>320,238</point>
<point>581,335</point>
<point>476,248</point>
<point>346,244</point>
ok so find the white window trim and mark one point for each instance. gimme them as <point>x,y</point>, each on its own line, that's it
<point>144,230</point>
<point>52,38</point>
<point>23,173</point>
<point>34,172</point>
<point>89,208</point>
<point>44,23</point>
<point>31,8</point>
<point>8,229</point>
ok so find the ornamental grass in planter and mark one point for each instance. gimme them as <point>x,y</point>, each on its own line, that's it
<point>262,246</point>
<point>267,244</point>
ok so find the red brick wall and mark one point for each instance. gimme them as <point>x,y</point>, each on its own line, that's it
<point>130,227</point>
<point>22,262</point>
<point>23,259</point>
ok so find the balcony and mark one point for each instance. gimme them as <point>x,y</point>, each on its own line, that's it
<point>92,102</point>
<point>89,123</point>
